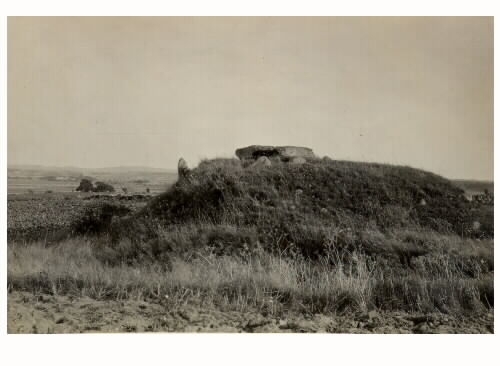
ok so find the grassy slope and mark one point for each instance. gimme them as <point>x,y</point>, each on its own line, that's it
<point>322,190</point>
<point>300,208</point>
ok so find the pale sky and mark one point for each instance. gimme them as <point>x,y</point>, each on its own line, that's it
<point>97,92</point>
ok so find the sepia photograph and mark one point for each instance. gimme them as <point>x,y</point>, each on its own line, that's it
<point>182,174</point>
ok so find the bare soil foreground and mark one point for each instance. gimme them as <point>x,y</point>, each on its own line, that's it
<point>29,313</point>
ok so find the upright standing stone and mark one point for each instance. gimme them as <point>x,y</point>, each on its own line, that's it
<point>182,168</point>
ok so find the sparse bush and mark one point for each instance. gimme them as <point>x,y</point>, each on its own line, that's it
<point>97,219</point>
<point>85,186</point>
<point>103,187</point>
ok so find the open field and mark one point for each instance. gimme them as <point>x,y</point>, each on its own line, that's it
<point>26,180</point>
<point>474,186</point>
<point>258,258</point>
<point>45,215</point>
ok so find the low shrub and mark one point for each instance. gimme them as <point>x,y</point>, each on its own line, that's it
<point>103,187</point>
<point>85,186</point>
<point>97,219</point>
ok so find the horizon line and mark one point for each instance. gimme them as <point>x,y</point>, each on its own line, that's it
<point>175,170</point>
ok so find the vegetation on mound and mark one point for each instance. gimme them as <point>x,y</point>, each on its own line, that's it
<point>305,207</point>
<point>323,190</point>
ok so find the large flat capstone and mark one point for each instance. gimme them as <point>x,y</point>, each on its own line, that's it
<point>284,153</point>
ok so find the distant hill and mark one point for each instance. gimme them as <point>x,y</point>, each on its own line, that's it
<point>131,169</point>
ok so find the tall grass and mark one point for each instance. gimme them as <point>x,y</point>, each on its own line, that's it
<point>342,280</point>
